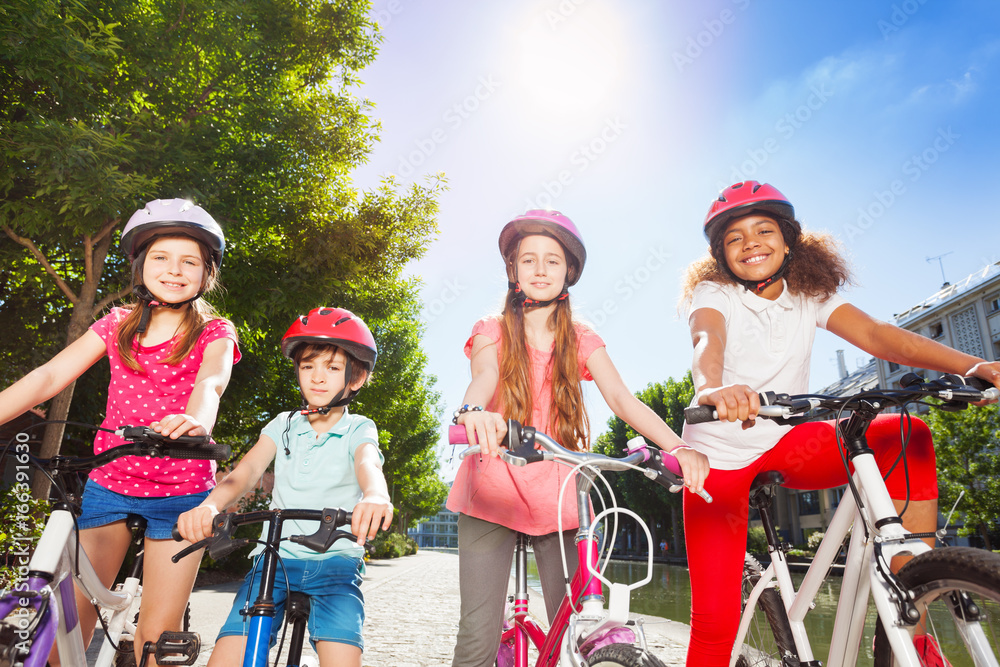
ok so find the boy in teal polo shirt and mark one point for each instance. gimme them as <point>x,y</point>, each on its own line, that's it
<point>323,457</point>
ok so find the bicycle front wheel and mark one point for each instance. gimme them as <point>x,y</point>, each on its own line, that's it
<point>958,589</point>
<point>622,655</point>
<point>769,637</point>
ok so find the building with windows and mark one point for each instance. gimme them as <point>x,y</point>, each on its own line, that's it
<point>438,532</point>
<point>965,316</point>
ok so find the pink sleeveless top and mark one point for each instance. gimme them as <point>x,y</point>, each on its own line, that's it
<point>523,499</point>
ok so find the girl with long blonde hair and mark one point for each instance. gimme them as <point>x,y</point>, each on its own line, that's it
<point>528,364</point>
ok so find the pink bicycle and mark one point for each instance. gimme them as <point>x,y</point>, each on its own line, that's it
<point>583,633</point>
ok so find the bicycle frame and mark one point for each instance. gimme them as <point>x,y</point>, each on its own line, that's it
<point>561,641</point>
<point>863,575</point>
<point>49,592</point>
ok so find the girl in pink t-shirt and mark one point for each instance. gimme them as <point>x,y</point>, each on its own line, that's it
<point>171,358</point>
<point>527,364</point>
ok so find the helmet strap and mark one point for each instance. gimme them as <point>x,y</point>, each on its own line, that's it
<point>149,302</point>
<point>522,300</point>
<point>342,399</point>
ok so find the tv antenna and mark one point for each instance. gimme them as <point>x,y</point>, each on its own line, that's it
<point>944,283</point>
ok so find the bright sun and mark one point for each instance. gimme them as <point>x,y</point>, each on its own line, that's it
<point>569,62</point>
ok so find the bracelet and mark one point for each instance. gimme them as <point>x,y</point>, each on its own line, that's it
<point>973,369</point>
<point>684,446</point>
<point>462,410</point>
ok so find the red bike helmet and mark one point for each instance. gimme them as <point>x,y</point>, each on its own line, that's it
<point>162,215</point>
<point>332,326</point>
<point>551,223</point>
<point>744,198</point>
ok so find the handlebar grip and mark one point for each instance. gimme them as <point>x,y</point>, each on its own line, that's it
<point>700,414</point>
<point>210,451</point>
<point>457,435</point>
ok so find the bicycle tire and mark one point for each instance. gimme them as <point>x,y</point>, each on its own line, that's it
<point>126,657</point>
<point>937,578</point>
<point>622,655</point>
<point>768,641</point>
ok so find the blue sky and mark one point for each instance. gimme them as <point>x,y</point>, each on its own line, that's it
<point>877,119</point>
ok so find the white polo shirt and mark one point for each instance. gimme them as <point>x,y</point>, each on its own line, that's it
<point>768,347</point>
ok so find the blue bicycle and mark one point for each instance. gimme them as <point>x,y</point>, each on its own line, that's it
<point>260,615</point>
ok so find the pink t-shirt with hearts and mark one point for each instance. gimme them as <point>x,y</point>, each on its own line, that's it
<point>139,399</point>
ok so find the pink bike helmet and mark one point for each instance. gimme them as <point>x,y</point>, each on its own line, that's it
<point>175,215</point>
<point>332,326</point>
<point>744,198</point>
<point>552,223</point>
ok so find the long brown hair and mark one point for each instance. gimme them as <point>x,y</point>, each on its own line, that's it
<point>197,315</point>
<point>816,269</point>
<point>568,415</point>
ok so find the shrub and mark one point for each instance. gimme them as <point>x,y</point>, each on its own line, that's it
<point>756,540</point>
<point>392,545</point>
<point>814,539</point>
<point>24,520</point>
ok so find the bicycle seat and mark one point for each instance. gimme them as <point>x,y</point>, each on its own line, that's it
<point>133,521</point>
<point>766,478</point>
<point>298,605</point>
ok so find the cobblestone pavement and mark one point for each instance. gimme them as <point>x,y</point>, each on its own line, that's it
<point>412,609</point>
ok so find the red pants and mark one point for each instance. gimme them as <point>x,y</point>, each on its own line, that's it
<point>716,533</point>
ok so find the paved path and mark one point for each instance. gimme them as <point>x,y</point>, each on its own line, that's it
<point>412,607</point>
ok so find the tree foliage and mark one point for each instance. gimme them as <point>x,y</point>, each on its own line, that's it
<point>967,444</point>
<point>649,500</point>
<point>248,109</point>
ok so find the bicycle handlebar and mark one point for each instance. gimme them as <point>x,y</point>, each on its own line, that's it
<point>222,543</point>
<point>662,467</point>
<point>143,441</point>
<point>955,390</point>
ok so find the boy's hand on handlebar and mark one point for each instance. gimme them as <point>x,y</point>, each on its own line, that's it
<point>734,402</point>
<point>694,467</point>
<point>174,426</point>
<point>488,429</point>
<point>196,524</point>
<point>369,515</point>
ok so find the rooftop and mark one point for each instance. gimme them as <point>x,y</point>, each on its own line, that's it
<point>949,292</point>
<point>863,379</point>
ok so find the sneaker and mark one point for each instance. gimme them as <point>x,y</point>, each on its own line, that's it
<point>929,651</point>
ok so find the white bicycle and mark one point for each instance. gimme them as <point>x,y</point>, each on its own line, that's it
<point>41,609</point>
<point>955,589</point>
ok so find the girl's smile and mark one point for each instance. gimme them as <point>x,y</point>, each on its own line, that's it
<point>754,247</point>
<point>174,269</point>
<point>541,267</point>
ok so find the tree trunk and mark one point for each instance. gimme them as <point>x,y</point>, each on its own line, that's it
<point>79,321</point>
<point>984,532</point>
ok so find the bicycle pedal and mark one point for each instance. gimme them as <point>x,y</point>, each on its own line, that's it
<point>177,648</point>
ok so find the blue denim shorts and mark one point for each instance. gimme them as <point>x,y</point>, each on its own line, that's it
<point>336,605</point>
<point>101,507</point>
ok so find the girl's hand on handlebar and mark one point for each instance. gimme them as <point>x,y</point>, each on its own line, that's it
<point>989,371</point>
<point>694,467</point>
<point>196,524</point>
<point>369,515</point>
<point>487,429</point>
<point>734,402</point>
<point>174,426</point>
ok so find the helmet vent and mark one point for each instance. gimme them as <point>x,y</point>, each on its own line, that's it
<point>340,321</point>
<point>304,320</point>
<point>756,188</point>
<point>325,311</point>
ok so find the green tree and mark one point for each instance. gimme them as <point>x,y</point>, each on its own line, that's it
<point>649,500</point>
<point>246,108</point>
<point>967,444</point>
